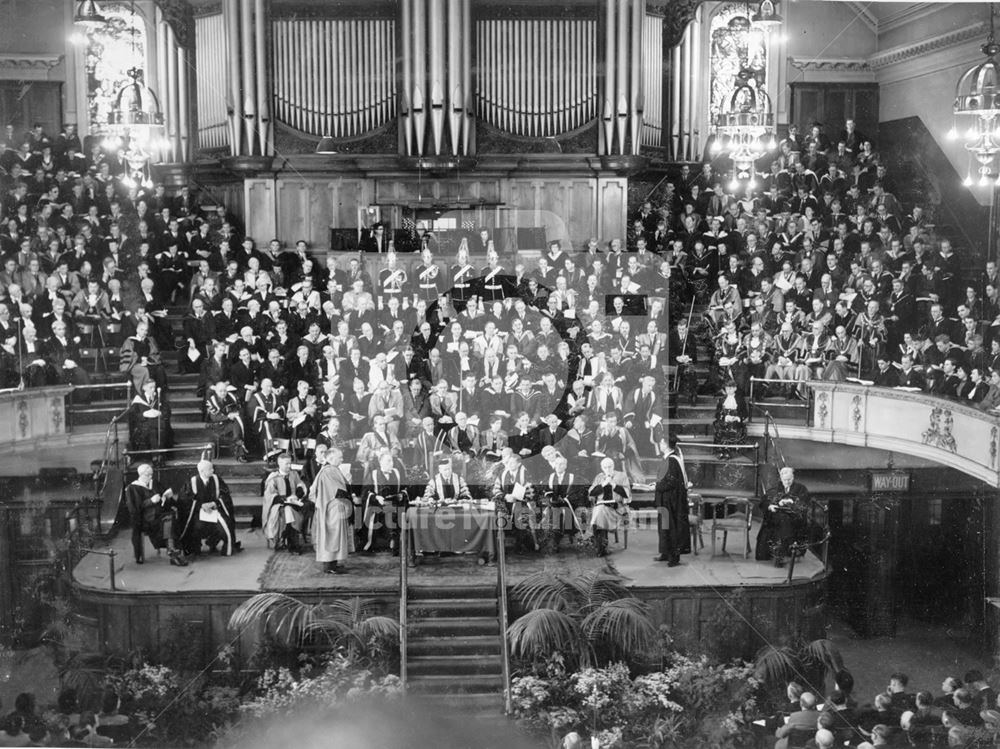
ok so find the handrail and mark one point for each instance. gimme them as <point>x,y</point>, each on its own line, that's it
<point>508,706</point>
<point>160,451</point>
<point>404,555</point>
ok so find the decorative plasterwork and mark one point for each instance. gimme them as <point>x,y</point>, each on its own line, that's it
<point>830,64</point>
<point>908,13</point>
<point>867,17</point>
<point>918,49</point>
<point>24,67</point>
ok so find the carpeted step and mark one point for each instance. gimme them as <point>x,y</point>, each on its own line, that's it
<point>424,592</point>
<point>481,645</point>
<point>457,626</point>
<point>453,665</point>
<point>440,608</point>
<point>472,704</point>
<point>459,684</point>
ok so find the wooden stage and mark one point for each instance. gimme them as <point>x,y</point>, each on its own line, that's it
<point>260,569</point>
<point>689,600</point>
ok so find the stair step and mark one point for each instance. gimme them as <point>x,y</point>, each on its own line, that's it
<point>437,608</point>
<point>482,645</point>
<point>465,683</point>
<point>458,626</point>
<point>453,665</point>
<point>487,704</point>
<point>450,592</point>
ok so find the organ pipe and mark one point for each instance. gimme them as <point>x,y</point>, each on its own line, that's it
<point>213,130</point>
<point>419,74</point>
<point>697,78</point>
<point>635,75</point>
<point>249,83</point>
<point>262,90</point>
<point>173,109</point>
<point>610,76</point>
<point>407,76</point>
<point>183,107</point>
<point>537,78</point>
<point>675,102</point>
<point>231,15</point>
<point>466,62</point>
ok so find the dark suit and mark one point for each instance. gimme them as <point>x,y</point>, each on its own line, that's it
<point>799,723</point>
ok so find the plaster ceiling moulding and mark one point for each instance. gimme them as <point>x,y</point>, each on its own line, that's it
<point>830,64</point>
<point>28,67</point>
<point>918,49</point>
<point>867,17</point>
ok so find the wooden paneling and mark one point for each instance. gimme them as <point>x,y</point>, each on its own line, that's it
<point>260,208</point>
<point>832,103</point>
<point>611,208</point>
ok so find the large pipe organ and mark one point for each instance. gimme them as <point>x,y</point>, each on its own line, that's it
<point>434,102</point>
<point>434,71</point>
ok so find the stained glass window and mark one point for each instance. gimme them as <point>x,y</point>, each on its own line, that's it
<point>111,51</point>
<point>735,45</point>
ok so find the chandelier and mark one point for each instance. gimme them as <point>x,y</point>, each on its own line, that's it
<point>88,16</point>
<point>744,127</point>
<point>977,96</point>
<point>767,16</point>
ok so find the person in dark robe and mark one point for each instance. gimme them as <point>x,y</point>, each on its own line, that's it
<point>731,415</point>
<point>671,501</point>
<point>225,417</point>
<point>384,498</point>
<point>287,511</point>
<point>149,420</point>
<point>611,497</point>
<point>514,492</point>
<point>140,358</point>
<point>153,513</point>
<point>206,513</point>
<point>785,510</point>
<point>563,496</point>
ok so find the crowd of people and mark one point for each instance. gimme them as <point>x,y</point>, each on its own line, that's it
<point>819,272</point>
<point>66,724</point>
<point>381,366</point>
<point>964,713</point>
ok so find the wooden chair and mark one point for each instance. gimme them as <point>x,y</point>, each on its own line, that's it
<point>695,519</point>
<point>736,516</point>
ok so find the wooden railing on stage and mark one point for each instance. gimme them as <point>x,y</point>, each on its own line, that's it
<point>502,613</point>
<point>32,414</point>
<point>334,77</point>
<point>915,423</point>
<point>404,581</point>
<point>537,78</point>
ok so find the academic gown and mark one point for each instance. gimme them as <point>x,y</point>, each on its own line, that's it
<point>332,534</point>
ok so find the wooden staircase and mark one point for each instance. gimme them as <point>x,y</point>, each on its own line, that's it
<point>454,652</point>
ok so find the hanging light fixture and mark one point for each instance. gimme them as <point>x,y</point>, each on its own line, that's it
<point>136,120</point>
<point>88,15</point>
<point>744,127</point>
<point>767,16</point>
<point>977,96</point>
<point>326,145</point>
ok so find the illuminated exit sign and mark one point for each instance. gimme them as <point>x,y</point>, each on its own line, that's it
<point>890,481</point>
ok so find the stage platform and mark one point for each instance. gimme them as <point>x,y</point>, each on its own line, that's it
<point>689,600</point>
<point>260,569</point>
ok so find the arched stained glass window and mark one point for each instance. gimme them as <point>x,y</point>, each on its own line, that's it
<point>735,45</point>
<point>110,52</point>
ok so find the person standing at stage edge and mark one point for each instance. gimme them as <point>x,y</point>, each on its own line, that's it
<point>332,534</point>
<point>672,504</point>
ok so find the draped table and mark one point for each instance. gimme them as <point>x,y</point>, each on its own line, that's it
<point>460,529</point>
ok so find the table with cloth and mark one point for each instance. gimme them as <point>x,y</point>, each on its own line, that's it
<point>460,529</point>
